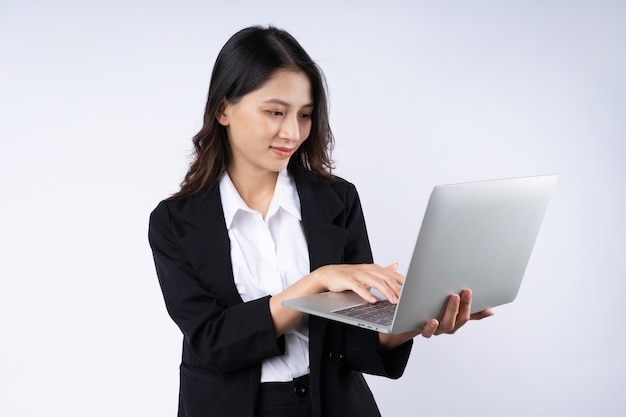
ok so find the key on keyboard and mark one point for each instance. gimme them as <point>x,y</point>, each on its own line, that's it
<point>381,313</point>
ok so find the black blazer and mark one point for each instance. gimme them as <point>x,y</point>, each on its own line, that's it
<point>225,339</point>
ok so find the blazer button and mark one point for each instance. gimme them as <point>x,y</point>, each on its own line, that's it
<point>300,390</point>
<point>336,356</point>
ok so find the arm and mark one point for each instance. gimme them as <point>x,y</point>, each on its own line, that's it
<point>222,334</point>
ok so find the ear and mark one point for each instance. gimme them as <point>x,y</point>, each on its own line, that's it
<point>221,115</point>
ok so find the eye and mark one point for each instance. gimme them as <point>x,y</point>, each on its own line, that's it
<point>275,113</point>
<point>306,116</point>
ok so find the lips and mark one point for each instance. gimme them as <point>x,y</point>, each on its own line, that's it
<point>282,152</point>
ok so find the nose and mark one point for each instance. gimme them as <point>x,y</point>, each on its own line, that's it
<point>290,129</point>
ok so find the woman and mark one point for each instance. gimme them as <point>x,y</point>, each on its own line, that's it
<point>260,219</point>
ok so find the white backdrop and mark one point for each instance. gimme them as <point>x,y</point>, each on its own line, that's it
<point>98,104</point>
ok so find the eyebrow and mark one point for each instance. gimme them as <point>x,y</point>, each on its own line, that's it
<point>284,103</point>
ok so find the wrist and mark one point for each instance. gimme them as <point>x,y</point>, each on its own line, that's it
<point>317,280</point>
<point>392,341</point>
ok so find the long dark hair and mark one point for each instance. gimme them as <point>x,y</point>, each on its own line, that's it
<point>247,60</point>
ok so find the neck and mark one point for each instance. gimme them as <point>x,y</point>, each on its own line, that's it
<point>255,190</point>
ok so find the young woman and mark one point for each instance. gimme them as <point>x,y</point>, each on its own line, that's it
<point>260,219</point>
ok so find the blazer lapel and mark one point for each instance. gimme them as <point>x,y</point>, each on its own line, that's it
<point>320,205</point>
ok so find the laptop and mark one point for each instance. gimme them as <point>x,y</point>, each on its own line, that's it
<point>476,235</point>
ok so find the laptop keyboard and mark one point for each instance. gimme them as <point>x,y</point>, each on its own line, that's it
<point>380,313</point>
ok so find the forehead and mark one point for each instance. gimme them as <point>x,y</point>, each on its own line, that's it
<point>289,88</point>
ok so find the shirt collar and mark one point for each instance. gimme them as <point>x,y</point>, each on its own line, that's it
<point>285,197</point>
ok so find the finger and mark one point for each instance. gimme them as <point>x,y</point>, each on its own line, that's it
<point>448,321</point>
<point>384,280</point>
<point>482,314</point>
<point>398,278</point>
<point>465,307</point>
<point>364,293</point>
<point>430,328</point>
<point>393,267</point>
<point>359,278</point>
<point>387,292</point>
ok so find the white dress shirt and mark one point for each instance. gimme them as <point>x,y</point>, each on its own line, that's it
<point>268,255</point>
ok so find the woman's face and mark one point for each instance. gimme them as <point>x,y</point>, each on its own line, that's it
<point>267,125</point>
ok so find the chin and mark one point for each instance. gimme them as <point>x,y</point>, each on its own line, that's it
<point>278,167</point>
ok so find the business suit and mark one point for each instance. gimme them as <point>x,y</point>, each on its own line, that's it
<point>225,340</point>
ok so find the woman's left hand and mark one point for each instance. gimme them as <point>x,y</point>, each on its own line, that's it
<point>457,313</point>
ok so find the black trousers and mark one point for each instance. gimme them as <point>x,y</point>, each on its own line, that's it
<point>285,399</point>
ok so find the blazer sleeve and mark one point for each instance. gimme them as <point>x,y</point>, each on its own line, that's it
<point>218,336</point>
<point>360,346</point>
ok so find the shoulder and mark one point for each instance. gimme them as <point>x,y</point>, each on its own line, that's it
<point>343,187</point>
<point>167,207</point>
<point>309,181</point>
<point>174,210</point>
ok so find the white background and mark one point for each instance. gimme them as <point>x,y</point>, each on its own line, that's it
<point>98,104</point>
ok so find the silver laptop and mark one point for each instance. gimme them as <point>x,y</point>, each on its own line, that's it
<point>475,235</point>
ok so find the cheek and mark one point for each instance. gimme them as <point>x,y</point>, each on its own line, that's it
<point>251,131</point>
<point>305,130</point>
<point>264,128</point>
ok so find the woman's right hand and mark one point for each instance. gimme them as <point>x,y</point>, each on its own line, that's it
<point>337,278</point>
<point>360,278</point>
